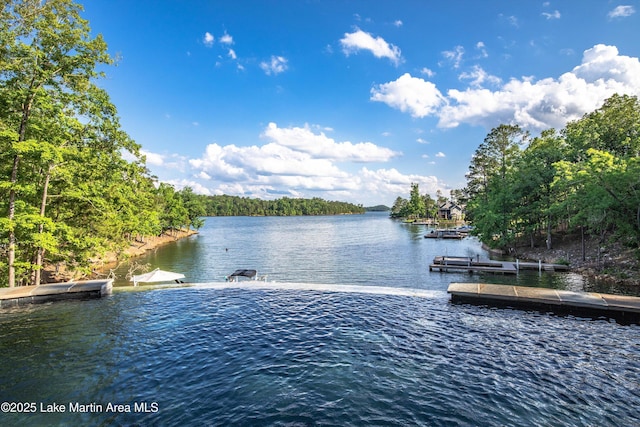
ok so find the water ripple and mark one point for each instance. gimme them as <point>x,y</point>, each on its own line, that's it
<point>310,357</point>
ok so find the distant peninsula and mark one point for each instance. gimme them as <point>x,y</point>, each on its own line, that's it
<point>377,208</point>
<point>224,205</point>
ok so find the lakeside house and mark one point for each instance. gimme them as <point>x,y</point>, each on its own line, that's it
<point>451,211</point>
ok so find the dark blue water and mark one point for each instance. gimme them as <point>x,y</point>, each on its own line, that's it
<point>203,356</point>
<point>239,357</point>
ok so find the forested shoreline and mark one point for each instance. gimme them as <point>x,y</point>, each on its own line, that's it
<point>584,178</point>
<point>224,205</point>
<point>581,182</point>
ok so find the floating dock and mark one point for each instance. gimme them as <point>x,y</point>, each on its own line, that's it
<point>471,264</point>
<point>20,295</point>
<point>579,303</point>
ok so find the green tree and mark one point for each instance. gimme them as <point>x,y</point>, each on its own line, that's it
<point>600,175</point>
<point>195,206</point>
<point>399,208</point>
<point>68,193</point>
<point>536,205</point>
<point>490,184</point>
<point>416,206</point>
<point>48,61</point>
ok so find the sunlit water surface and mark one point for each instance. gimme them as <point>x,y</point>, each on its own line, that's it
<point>207,356</point>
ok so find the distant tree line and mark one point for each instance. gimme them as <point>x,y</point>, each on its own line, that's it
<point>243,206</point>
<point>585,177</point>
<point>377,208</point>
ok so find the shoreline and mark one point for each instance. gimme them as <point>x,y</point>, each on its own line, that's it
<point>609,263</point>
<point>138,249</point>
<point>101,267</point>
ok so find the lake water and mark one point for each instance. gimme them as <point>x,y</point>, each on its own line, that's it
<point>202,356</point>
<point>365,249</point>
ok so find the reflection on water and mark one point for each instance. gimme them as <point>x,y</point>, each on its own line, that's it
<point>365,249</point>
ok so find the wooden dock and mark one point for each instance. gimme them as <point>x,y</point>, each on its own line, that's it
<point>580,303</point>
<point>471,264</point>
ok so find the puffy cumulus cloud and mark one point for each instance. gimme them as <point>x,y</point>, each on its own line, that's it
<point>301,162</point>
<point>218,162</point>
<point>360,40</point>
<point>292,152</point>
<point>276,65</point>
<point>479,77</point>
<point>198,188</point>
<point>302,139</point>
<point>533,104</point>
<point>410,94</point>
<point>388,184</point>
<point>153,159</point>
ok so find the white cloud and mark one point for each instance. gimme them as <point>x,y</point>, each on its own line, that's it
<point>232,54</point>
<point>511,20</point>
<point>479,77</point>
<point>153,159</point>
<point>300,163</point>
<point>216,162</point>
<point>208,39</point>
<point>440,154</point>
<point>388,184</point>
<point>320,146</point>
<point>552,15</point>
<point>533,104</point>
<point>427,72</point>
<point>480,46</point>
<point>409,94</point>
<point>277,65</point>
<point>397,23</point>
<point>197,188</point>
<point>226,39</point>
<point>621,12</point>
<point>422,141</point>
<point>360,40</point>
<point>454,56</point>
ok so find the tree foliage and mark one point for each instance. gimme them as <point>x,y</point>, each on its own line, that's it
<point>243,206</point>
<point>585,176</point>
<point>66,191</point>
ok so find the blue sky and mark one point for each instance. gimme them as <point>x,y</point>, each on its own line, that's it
<point>352,100</point>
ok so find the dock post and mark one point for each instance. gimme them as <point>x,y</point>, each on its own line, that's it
<point>517,264</point>
<point>539,266</point>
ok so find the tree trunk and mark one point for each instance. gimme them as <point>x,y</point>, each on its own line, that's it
<point>12,235</point>
<point>43,205</point>
<point>549,245</point>
<point>11,256</point>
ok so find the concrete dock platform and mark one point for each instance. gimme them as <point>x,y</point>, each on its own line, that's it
<point>11,297</point>
<point>579,303</point>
